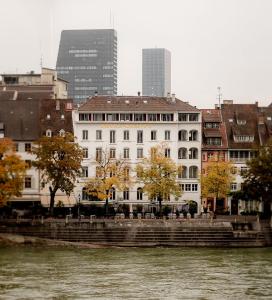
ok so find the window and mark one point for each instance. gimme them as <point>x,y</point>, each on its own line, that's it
<point>233,186</point>
<point>99,117</point>
<point>187,187</point>
<point>84,172</point>
<point>193,135</point>
<point>210,156</point>
<point>193,153</point>
<point>85,134</point>
<point>98,172</point>
<point>98,135</point>
<point>126,117</point>
<point>16,147</point>
<point>167,135</point>
<point>62,133</point>
<point>27,147</point>
<point>62,116</point>
<point>182,153</point>
<point>194,187</point>
<point>167,117</point>
<point>48,117</point>
<point>180,168</point>
<point>193,117</point>
<point>28,163</point>
<point>243,171</point>
<point>139,136</point>
<point>193,172</point>
<point>84,195</point>
<point>213,141</point>
<point>167,152</point>
<point>85,153</point>
<point>48,133</point>
<point>139,193</point>
<point>126,135</point>
<point>126,194</point>
<point>182,117</point>
<point>112,137</point>
<point>112,153</point>
<point>126,152</point>
<point>153,135</point>
<point>184,172</point>
<point>153,117</point>
<point>182,135</point>
<point>126,173</point>
<point>233,170</point>
<point>27,182</point>
<point>140,152</point>
<point>112,117</point>
<point>139,117</point>
<point>243,138</point>
<point>112,193</point>
<point>85,117</point>
<point>98,154</point>
<point>211,125</point>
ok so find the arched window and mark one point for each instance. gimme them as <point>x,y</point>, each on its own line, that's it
<point>126,194</point>
<point>184,172</point>
<point>112,193</point>
<point>85,195</point>
<point>139,193</point>
<point>193,135</point>
<point>193,170</point>
<point>182,153</point>
<point>182,135</point>
<point>61,132</point>
<point>180,168</point>
<point>48,133</point>
<point>193,153</point>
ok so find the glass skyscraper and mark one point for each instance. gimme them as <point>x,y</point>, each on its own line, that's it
<point>156,72</point>
<point>87,59</point>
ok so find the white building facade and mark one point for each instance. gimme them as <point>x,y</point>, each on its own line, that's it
<point>129,127</point>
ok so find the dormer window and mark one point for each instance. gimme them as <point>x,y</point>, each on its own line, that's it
<point>48,116</point>
<point>243,138</point>
<point>62,132</point>
<point>241,122</point>
<point>48,133</point>
<point>62,116</point>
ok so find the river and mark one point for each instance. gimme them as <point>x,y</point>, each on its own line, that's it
<point>135,273</point>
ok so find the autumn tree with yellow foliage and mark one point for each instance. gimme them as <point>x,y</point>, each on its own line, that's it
<point>110,173</point>
<point>12,171</point>
<point>158,174</point>
<point>217,179</point>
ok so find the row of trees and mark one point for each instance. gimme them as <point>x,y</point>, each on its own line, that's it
<point>59,160</point>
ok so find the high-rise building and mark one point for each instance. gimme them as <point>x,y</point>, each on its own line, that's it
<point>156,72</point>
<point>87,59</point>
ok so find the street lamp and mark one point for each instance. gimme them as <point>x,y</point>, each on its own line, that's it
<point>78,207</point>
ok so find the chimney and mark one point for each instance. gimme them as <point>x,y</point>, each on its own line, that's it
<point>95,93</point>
<point>173,98</point>
<point>168,96</point>
<point>139,94</point>
<point>216,106</point>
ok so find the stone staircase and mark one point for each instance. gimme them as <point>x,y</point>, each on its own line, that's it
<point>139,235</point>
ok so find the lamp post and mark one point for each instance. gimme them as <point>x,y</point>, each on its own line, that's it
<point>78,207</point>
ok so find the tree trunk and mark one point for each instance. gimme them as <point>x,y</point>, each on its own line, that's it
<point>160,205</point>
<point>52,200</point>
<point>107,205</point>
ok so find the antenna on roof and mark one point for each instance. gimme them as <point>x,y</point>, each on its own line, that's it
<point>219,96</point>
<point>41,61</point>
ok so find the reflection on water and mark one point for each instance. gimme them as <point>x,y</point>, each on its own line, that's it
<point>160,273</point>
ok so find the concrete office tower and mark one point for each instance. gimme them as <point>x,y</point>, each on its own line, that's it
<point>156,72</point>
<point>88,60</point>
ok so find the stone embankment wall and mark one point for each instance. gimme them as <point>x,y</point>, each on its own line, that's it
<point>147,233</point>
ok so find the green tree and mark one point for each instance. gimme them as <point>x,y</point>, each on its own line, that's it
<point>111,173</point>
<point>217,179</point>
<point>258,178</point>
<point>12,171</point>
<point>158,174</point>
<point>59,160</point>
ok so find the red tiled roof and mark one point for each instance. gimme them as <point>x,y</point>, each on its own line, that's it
<point>135,103</point>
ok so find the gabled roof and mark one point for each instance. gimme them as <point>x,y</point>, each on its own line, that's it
<point>231,113</point>
<point>135,103</point>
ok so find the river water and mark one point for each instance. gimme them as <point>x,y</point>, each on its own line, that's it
<point>135,273</point>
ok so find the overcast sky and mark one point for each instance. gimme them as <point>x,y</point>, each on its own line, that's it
<point>213,43</point>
